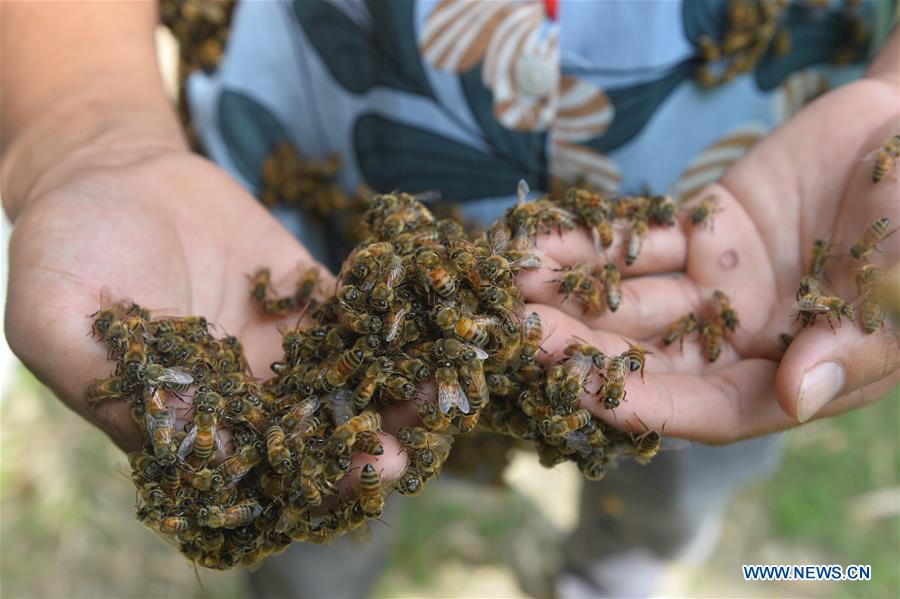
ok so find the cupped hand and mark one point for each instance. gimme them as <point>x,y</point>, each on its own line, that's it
<point>169,231</point>
<point>803,182</point>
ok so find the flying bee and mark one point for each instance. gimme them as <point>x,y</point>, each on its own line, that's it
<point>348,363</point>
<point>371,495</point>
<point>433,274</point>
<point>449,393</point>
<point>203,439</point>
<point>235,516</point>
<point>809,308</point>
<point>705,211</point>
<point>726,313</point>
<point>612,392</point>
<point>276,450</point>
<point>106,389</point>
<point>259,284</point>
<point>635,356</point>
<point>557,426</point>
<point>711,338</point>
<point>817,257</point>
<point>871,237</point>
<point>885,158</point>
<point>646,445</point>
<point>681,328</point>
<point>434,419</point>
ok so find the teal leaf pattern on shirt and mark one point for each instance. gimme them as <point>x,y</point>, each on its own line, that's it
<point>393,155</point>
<point>634,105</point>
<point>524,150</point>
<point>250,132</point>
<point>359,58</point>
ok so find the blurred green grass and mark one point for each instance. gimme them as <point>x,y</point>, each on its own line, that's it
<point>68,529</point>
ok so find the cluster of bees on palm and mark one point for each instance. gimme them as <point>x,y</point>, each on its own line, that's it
<point>424,316</point>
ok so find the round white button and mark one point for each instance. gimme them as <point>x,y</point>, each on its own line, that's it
<point>536,75</point>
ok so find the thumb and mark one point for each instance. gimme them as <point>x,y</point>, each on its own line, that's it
<point>821,365</point>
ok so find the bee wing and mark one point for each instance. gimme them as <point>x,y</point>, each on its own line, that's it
<point>522,191</point>
<point>871,155</point>
<point>187,444</point>
<point>462,401</point>
<point>341,409</point>
<point>176,375</point>
<point>498,239</point>
<point>810,305</point>
<point>529,262</point>
<point>578,441</point>
<point>308,407</point>
<point>396,324</point>
<point>446,396</point>
<point>479,353</point>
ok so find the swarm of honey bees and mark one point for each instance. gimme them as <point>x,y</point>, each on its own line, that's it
<point>260,464</point>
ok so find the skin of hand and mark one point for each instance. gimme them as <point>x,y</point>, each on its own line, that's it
<point>804,182</point>
<point>113,198</point>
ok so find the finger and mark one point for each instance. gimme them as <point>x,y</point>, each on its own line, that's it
<point>647,307</point>
<point>663,250</point>
<point>560,329</point>
<point>821,365</point>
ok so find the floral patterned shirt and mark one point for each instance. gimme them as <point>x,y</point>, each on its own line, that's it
<point>469,97</point>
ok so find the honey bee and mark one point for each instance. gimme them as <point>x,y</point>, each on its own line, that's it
<point>434,419</point>
<point>705,211</point>
<point>870,284</point>
<point>577,347</point>
<point>810,307</point>
<point>817,257</point>
<point>433,274</point>
<point>574,278</point>
<point>348,363</point>
<point>410,482</point>
<point>259,284</point>
<point>476,387</point>
<point>106,316</point>
<point>711,338</point>
<point>362,323</point>
<point>662,210</point>
<point>557,426</point>
<point>106,389</point>
<point>382,295</point>
<point>276,450</point>
<point>507,302</point>
<point>369,442</point>
<point>135,357</point>
<point>726,314</point>
<point>635,356</point>
<point>162,437</point>
<point>415,369</point>
<point>237,466</point>
<point>306,285</point>
<point>204,480</point>
<point>344,436</point>
<point>679,329</point>
<point>371,495</point>
<point>784,341</point>
<point>885,158</point>
<point>449,393</point>
<point>235,516</point>
<point>646,445</point>
<point>575,372</point>
<point>594,469</point>
<point>396,318</point>
<point>376,376</point>
<point>203,439</point>
<point>637,232</point>
<point>871,237</point>
<point>188,326</point>
<point>172,379</point>
<point>171,479</point>
<point>612,392</point>
<point>174,525</point>
<point>612,286</point>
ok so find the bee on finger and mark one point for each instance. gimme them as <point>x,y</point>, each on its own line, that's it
<point>371,495</point>
<point>704,213</point>
<point>885,158</point>
<point>726,313</point>
<point>681,328</point>
<point>871,237</point>
<point>637,232</point>
<point>635,357</point>
<point>711,339</point>
<point>818,255</point>
<point>612,286</point>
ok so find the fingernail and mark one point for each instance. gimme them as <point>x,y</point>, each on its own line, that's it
<point>819,386</point>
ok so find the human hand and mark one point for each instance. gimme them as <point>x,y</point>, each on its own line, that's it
<point>169,231</point>
<point>803,182</point>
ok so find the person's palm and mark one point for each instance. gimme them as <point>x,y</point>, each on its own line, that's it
<point>172,233</point>
<point>804,182</point>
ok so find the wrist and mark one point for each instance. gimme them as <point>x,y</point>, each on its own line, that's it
<point>81,134</point>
